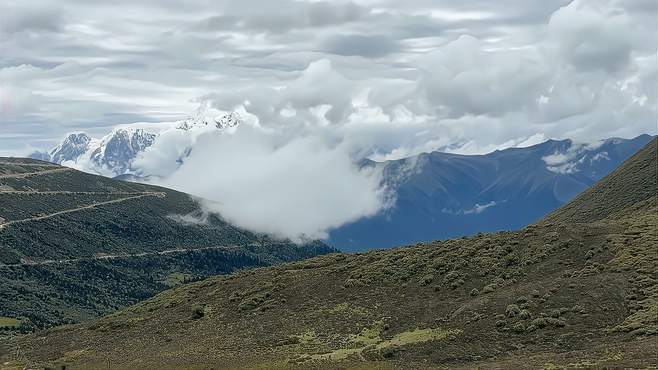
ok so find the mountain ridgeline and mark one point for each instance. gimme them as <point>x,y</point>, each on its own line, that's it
<point>442,195</point>
<point>575,290</point>
<point>75,245</point>
<point>436,195</point>
<point>115,153</point>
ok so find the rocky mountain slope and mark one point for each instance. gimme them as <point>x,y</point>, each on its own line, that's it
<point>442,195</point>
<point>75,245</point>
<point>577,290</point>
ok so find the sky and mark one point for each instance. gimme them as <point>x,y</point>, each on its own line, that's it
<point>409,75</point>
<point>325,83</point>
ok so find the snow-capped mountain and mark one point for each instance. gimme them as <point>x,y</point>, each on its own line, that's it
<point>115,153</point>
<point>117,150</point>
<point>436,195</point>
<point>73,146</point>
<point>231,119</point>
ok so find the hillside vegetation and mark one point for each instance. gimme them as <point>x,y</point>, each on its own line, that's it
<point>577,290</point>
<point>74,245</point>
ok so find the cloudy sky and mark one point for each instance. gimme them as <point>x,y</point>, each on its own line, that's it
<point>399,76</point>
<point>324,83</point>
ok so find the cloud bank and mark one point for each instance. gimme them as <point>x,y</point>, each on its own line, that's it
<point>298,187</point>
<point>416,76</point>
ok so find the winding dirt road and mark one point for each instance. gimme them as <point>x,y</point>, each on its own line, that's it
<point>111,256</point>
<point>27,174</point>
<point>90,206</point>
<point>128,196</point>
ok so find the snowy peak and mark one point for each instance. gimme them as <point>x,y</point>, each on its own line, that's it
<point>195,122</point>
<point>73,146</point>
<point>231,119</point>
<point>200,120</point>
<point>117,150</point>
<point>115,153</point>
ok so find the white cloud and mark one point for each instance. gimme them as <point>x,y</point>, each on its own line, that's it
<point>291,187</point>
<point>476,209</point>
<point>568,161</point>
<point>592,35</point>
<point>483,72</point>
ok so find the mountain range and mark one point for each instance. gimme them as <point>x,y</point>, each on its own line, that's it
<point>114,154</point>
<point>442,195</point>
<point>434,195</point>
<point>575,290</point>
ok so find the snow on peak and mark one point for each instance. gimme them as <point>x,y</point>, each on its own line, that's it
<point>70,148</point>
<point>115,153</point>
<point>117,150</point>
<point>201,119</point>
<point>231,119</point>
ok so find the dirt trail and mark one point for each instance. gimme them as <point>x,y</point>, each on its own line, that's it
<point>90,206</point>
<point>51,192</point>
<point>113,256</point>
<point>27,174</point>
<point>30,164</point>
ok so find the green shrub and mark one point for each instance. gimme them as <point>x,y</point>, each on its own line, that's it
<point>198,312</point>
<point>456,284</point>
<point>474,292</point>
<point>525,314</point>
<point>512,310</point>
<point>578,309</point>
<point>540,322</point>
<point>556,322</point>
<point>522,299</point>
<point>555,313</point>
<point>518,327</point>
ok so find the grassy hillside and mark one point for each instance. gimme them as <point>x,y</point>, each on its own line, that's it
<point>558,294</point>
<point>75,245</point>
<point>619,194</point>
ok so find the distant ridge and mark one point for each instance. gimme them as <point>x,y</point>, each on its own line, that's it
<point>555,294</point>
<point>442,195</point>
<point>434,195</point>
<point>638,177</point>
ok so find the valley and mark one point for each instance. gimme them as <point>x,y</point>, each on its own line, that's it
<point>575,290</point>
<point>66,254</point>
<point>328,185</point>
